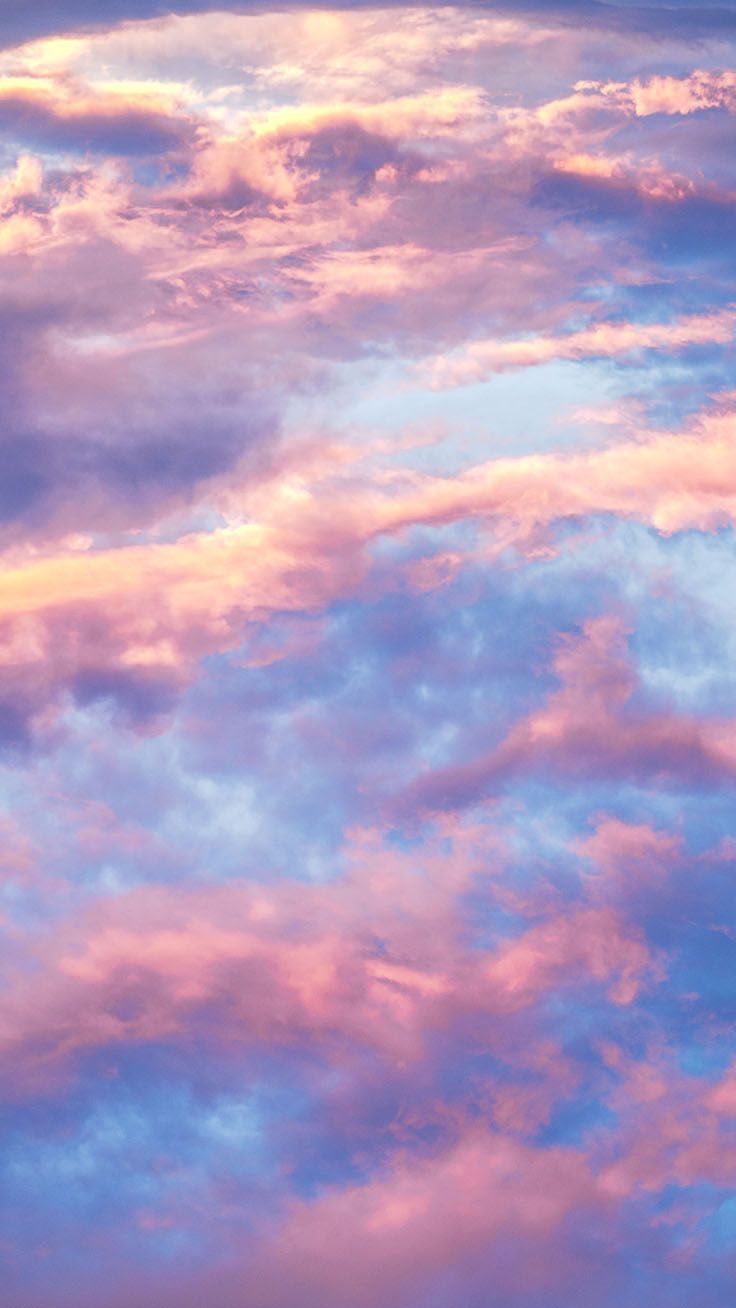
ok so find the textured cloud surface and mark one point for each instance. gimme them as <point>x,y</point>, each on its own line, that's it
<point>367,710</point>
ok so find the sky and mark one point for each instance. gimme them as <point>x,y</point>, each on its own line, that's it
<point>367,709</point>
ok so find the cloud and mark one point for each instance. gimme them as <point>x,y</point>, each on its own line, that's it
<point>658,19</point>
<point>588,729</point>
<point>374,961</point>
<point>58,115</point>
<point>156,609</point>
<point>424,1218</point>
<point>601,340</point>
<point>366,722</point>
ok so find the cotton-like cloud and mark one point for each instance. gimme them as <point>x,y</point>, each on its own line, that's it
<point>423,1218</point>
<point>367,732</point>
<point>38,113</point>
<point>158,608</point>
<point>657,18</point>
<point>329,966</point>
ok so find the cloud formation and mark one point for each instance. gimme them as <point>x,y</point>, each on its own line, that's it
<point>367,718</point>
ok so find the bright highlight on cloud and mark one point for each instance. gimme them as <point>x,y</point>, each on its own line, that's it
<point>367,716</point>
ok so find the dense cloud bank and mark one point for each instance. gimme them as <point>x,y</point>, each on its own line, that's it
<point>22,22</point>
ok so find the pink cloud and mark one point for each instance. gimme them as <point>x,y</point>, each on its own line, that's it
<point>591,942</point>
<point>587,728</point>
<point>629,856</point>
<point>671,482</point>
<point>210,282</point>
<point>376,960</point>
<point>59,112</point>
<point>392,1236</point>
<point>673,1128</point>
<point>157,608</point>
<point>700,89</point>
<point>483,358</point>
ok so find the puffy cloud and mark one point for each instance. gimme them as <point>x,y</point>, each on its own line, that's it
<point>424,1219</point>
<point>58,115</point>
<point>373,960</point>
<point>670,482</point>
<point>368,737</point>
<point>157,608</point>
<point>656,18</point>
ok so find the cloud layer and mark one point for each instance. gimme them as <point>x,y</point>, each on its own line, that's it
<point>367,717</point>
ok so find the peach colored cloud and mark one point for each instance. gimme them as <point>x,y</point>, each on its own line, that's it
<point>166,605</point>
<point>325,53</point>
<point>59,111</point>
<point>700,89</point>
<point>671,482</point>
<point>482,359</point>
